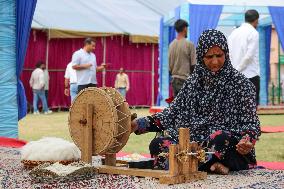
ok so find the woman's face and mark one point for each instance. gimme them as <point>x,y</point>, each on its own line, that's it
<point>214,59</point>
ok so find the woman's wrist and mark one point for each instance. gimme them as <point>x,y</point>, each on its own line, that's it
<point>134,126</point>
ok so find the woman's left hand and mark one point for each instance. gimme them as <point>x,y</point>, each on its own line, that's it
<point>244,147</point>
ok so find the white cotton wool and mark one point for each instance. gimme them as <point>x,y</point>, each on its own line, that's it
<point>50,149</point>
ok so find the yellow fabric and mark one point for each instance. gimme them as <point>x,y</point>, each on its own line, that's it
<point>56,33</point>
<point>144,39</point>
<point>76,34</point>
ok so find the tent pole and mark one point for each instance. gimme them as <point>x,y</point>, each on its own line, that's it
<point>279,74</point>
<point>153,74</point>
<point>104,61</point>
<point>47,48</point>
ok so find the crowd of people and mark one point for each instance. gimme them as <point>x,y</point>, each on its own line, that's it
<point>80,74</point>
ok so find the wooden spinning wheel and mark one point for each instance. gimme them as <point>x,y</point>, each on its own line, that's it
<point>99,122</point>
<point>124,119</point>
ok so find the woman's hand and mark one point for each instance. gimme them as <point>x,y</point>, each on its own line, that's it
<point>134,126</point>
<point>244,147</point>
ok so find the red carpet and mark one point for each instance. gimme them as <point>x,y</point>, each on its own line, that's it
<point>156,109</point>
<point>271,165</point>
<point>11,142</point>
<point>272,129</point>
<point>121,154</point>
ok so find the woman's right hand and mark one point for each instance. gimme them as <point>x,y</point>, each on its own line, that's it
<point>134,126</point>
<point>244,147</point>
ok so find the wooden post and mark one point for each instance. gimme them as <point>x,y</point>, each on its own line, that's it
<point>184,145</point>
<point>110,159</point>
<point>87,150</point>
<point>194,160</point>
<point>173,162</point>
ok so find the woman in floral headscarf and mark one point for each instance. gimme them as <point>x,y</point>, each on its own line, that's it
<point>217,103</point>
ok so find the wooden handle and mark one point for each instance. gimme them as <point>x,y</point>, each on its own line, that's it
<point>87,149</point>
<point>83,121</point>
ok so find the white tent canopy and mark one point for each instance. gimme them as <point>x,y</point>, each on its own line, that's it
<point>131,17</point>
<point>239,2</point>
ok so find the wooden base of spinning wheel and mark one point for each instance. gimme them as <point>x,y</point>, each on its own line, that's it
<point>179,171</point>
<point>100,124</point>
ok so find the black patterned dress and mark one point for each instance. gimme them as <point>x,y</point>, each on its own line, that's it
<point>219,108</point>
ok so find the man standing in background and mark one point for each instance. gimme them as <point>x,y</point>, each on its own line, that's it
<point>37,85</point>
<point>46,82</point>
<point>244,49</point>
<point>70,82</point>
<point>182,56</point>
<point>122,82</point>
<point>85,63</point>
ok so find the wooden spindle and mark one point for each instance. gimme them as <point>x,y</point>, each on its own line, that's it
<point>184,146</point>
<point>173,161</point>
<point>194,160</point>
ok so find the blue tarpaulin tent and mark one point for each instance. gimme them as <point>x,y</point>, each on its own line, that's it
<point>15,24</point>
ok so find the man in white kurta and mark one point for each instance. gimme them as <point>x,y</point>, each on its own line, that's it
<point>37,84</point>
<point>244,49</point>
<point>70,82</point>
<point>85,63</point>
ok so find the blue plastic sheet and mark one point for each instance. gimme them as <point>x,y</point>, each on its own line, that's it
<point>203,17</point>
<point>8,79</point>
<point>277,14</point>
<point>167,35</point>
<point>24,16</point>
<point>264,62</point>
<point>15,24</point>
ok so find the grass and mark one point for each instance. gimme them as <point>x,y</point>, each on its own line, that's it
<point>271,120</point>
<point>270,147</point>
<point>34,127</point>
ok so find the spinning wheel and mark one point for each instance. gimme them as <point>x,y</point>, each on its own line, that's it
<point>102,115</point>
<point>100,124</point>
<point>123,122</point>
